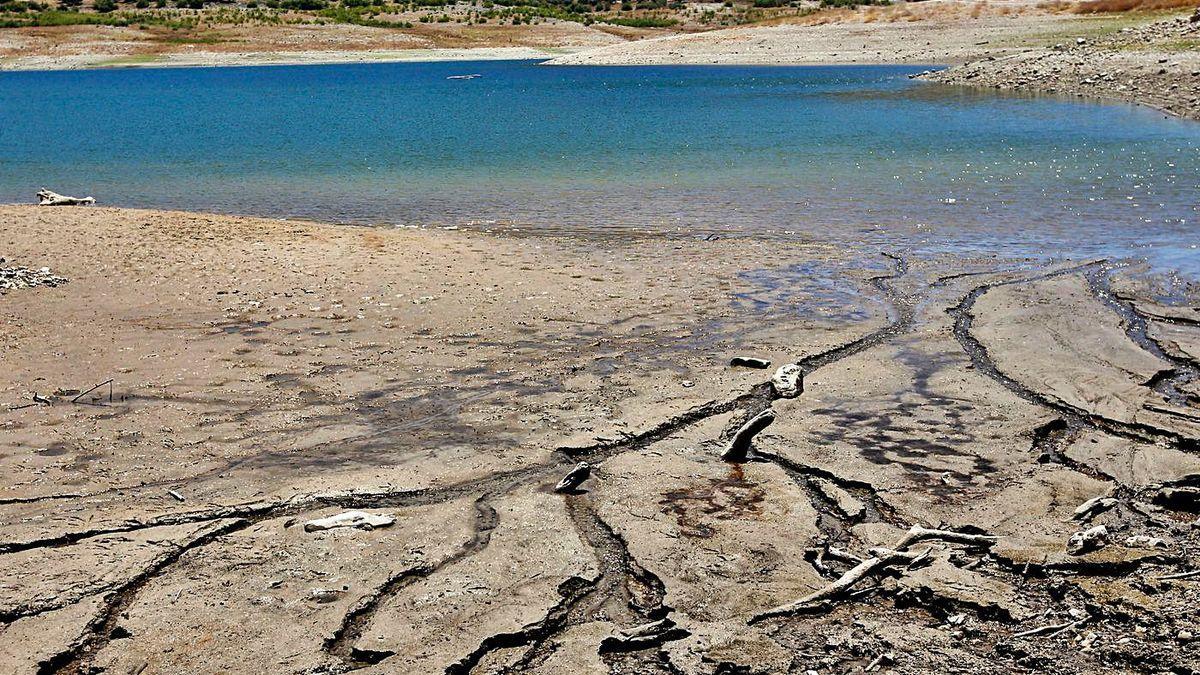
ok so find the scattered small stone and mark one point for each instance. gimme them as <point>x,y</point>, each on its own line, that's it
<point>1085,541</point>
<point>12,278</point>
<point>574,478</point>
<point>749,362</point>
<point>360,520</point>
<point>324,595</point>
<point>688,384</point>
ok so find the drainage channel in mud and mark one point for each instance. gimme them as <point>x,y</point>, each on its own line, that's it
<point>1168,381</point>
<point>623,593</point>
<point>620,577</point>
<point>344,641</point>
<point>901,309</point>
<point>1074,418</point>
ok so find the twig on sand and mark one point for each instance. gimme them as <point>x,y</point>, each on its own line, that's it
<point>1192,574</point>
<point>81,394</point>
<point>1051,630</point>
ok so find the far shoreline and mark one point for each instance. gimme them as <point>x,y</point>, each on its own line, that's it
<point>545,56</point>
<point>299,58</point>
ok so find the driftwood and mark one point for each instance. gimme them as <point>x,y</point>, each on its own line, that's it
<point>1088,540</point>
<point>49,198</point>
<point>643,636</point>
<point>883,659</point>
<point>880,557</point>
<point>1093,507</point>
<point>574,478</point>
<point>740,444</point>
<point>360,520</point>
<point>749,362</point>
<point>1051,630</point>
<point>1181,575</point>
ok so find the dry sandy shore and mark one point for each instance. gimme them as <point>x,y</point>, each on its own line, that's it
<point>274,58</point>
<point>266,373</point>
<point>75,47</point>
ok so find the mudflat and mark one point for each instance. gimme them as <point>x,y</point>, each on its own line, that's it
<point>992,466</point>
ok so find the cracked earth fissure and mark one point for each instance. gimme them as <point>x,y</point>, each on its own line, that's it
<point>344,643</point>
<point>1168,381</point>
<point>100,629</point>
<point>1072,416</point>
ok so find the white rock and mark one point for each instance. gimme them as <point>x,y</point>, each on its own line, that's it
<point>1144,541</point>
<point>357,519</point>
<point>788,381</point>
<point>1088,540</point>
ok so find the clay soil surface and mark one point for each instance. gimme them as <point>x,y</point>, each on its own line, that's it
<point>258,374</point>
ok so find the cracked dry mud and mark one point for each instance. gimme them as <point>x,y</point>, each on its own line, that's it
<point>267,373</point>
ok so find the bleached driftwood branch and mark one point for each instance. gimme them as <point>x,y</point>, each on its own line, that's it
<point>49,198</point>
<point>880,557</point>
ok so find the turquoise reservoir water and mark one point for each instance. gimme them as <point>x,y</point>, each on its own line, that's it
<point>825,152</point>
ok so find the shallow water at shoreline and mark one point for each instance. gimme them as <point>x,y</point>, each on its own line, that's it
<point>853,154</point>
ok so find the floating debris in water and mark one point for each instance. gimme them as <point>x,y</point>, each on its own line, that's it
<point>464,77</point>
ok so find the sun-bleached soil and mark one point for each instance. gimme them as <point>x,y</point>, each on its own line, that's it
<point>268,373</point>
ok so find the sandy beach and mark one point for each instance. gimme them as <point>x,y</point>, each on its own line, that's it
<point>1005,449</point>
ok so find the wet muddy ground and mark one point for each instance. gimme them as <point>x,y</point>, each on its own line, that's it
<point>911,511</point>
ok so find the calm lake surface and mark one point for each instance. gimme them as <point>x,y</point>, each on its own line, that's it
<point>861,154</point>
